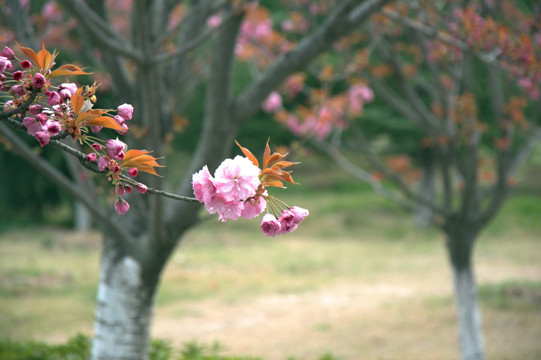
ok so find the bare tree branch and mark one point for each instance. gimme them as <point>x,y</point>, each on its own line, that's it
<point>101,30</point>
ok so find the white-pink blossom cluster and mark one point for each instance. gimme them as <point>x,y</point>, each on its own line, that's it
<point>234,191</point>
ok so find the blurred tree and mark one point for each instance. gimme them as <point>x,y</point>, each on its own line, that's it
<point>155,55</point>
<point>466,77</point>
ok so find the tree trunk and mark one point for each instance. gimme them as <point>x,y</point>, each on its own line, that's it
<point>460,246</point>
<point>124,309</point>
<point>472,345</point>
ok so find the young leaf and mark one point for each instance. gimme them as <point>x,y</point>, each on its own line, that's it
<point>68,70</point>
<point>105,121</point>
<point>248,154</point>
<point>29,54</point>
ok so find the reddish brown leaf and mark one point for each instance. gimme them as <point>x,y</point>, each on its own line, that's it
<point>67,70</point>
<point>105,121</point>
<point>248,154</point>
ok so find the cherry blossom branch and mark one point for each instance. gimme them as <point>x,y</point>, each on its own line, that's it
<point>57,177</point>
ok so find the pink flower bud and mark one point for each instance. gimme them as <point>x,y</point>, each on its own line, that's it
<point>18,90</point>
<point>287,221</point>
<point>96,147</point>
<point>115,149</point>
<point>64,94</point>
<point>42,118</point>
<point>120,189</point>
<point>32,125</point>
<point>141,188</point>
<point>39,80</point>
<point>122,206</point>
<point>96,129</point>
<point>91,157</point>
<point>26,64</point>
<point>299,213</point>
<point>53,127</point>
<point>133,172</point>
<point>35,109</point>
<point>43,138</point>
<point>69,87</point>
<point>128,188</point>
<point>54,98</point>
<point>5,64</point>
<point>270,225</point>
<point>7,53</point>
<point>125,111</point>
<point>17,75</point>
<point>103,163</point>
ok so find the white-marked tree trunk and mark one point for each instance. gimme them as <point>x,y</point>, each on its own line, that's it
<point>460,243</point>
<point>123,312</point>
<point>468,314</point>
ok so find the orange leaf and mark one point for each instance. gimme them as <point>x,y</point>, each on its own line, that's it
<point>77,101</point>
<point>134,153</point>
<point>105,121</point>
<point>44,58</point>
<point>274,183</point>
<point>248,154</point>
<point>68,70</point>
<point>29,53</point>
<point>283,164</point>
<point>275,157</point>
<point>266,155</point>
<point>140,160</point>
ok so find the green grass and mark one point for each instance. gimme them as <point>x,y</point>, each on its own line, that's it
<point>391,281</point>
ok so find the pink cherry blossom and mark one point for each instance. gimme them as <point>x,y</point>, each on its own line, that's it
<point>39,80</point>
<point>227,210</point>
<point>115,148</point>
<point>203,185</point>
<point>287,221</point>
<point>53,98</point>
<point>141,188</point>
<point>32,125</point>
<point>133,172</point>
<point>7,53</point>
<point>17,75</point>
<point>122,206</point>
<point>91,157</point>
<point>35,109</point>
<point>125,111</point>
<point>270,225</point>
<point>103,163</point>
<point>5,63</point>
<point>70,87</point>
<point>237,179</point>
<point>272,103</point>
<point>25,64</point>
<point>43,137</point>
<point>253,207</point>
<point>299,213</point>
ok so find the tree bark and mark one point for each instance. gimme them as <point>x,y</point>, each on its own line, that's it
<point>124,309</point>
<point>460,243</point>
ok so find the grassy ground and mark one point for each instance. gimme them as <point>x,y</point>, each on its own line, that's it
<point>357,279</point>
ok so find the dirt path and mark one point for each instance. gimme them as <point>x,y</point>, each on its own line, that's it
<point>277,326</point>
